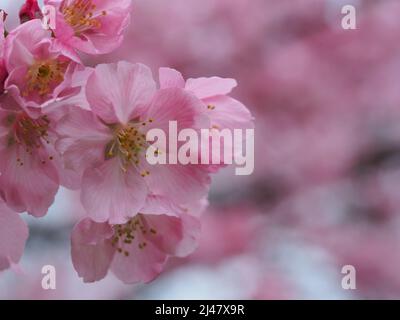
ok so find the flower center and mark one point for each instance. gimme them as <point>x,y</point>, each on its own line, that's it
<point>43,76</point>
<point>28,133</point>
<point>81,15</point>
<point>125,234</point>
<point>128,144</point>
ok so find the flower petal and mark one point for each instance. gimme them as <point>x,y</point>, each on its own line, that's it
<point>29,187</point>
<point>91,249</point>
<point>170,78</point>
<point>228,113</point>
<point>142,264</point>
<point>112,194</point>
<point>114,91</point>
<point>13,235</point>
<point>209,87</point>
<point>176,236</point>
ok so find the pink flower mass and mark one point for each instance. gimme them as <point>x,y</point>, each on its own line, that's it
<point>112,113</point>
<point>84,128</point>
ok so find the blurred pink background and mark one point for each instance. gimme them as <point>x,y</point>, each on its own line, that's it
<point>326,188</point>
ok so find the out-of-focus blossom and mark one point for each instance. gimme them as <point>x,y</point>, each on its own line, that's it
<point>13,234</point>
<point>136,250</point>
<point>91,26</point>
<point>29,11</point>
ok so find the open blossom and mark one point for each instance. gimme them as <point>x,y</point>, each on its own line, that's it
<point>224,111</point>
<point>30,168</point>
<point>37,69</point>
<point>136,250</point>
<point>13,235</point>
<point>108,144</point>
<point>91,26</point>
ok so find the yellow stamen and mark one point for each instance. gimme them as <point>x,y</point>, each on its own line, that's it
<point>43,76</point>
<point>81,15</point>
<point>125,234</point>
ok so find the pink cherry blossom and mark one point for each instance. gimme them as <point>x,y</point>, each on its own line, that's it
<point>31,170</point>
<point>223,110</point>
<point>37,68</point>
<point>107,145</point>
<point>13,234</point>
<point>137,250</point>
<point>91,26</point>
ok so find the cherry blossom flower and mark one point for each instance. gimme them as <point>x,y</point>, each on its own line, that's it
<point>13,234</point>
<point>137,250</point>
<point>223,110</point>
<point>107,145</point>
<point>37,69</point>
<point>91,26</point>
<point>31,169</point>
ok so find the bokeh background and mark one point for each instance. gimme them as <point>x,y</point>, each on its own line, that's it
<point>326,188</point>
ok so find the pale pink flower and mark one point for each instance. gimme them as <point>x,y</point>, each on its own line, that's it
<point>37,67</point>
<point>91,26</point>
<point>223,110</point>
<point>137,250</point>
<point>108,145</point>
<point>13,235</point>
<point>30,168</point>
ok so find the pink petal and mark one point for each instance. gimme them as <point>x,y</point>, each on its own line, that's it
<point>170,78</point>
<point>30,187</point>
<point>13,235</point>
<point>114,91</point>
<point>176,236</point>
<point>83,139</point>
<point>21,42</point>
<point>111,194</point>
<point>180,183</point>
<point>104,39</point>
<point>229,113</point>
<point>141,265</point>
<point>157,205</point>
<point>210,87</point>
<point>91,249</point>
<point>173,104</point>
<point>95,43</point>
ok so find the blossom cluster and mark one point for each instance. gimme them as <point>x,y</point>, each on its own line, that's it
<point>63,123</point>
